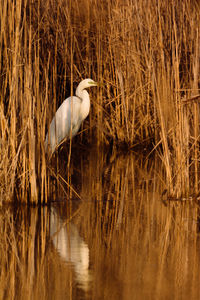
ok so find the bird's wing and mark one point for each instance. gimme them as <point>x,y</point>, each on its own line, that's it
<point>61,124</point>
<point>67,114</point>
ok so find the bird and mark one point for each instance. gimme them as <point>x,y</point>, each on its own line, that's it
<point>69,116</point>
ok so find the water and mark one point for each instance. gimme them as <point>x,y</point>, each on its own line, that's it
<point>115,239</point>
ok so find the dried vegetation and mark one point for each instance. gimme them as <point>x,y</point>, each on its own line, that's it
<point>144,53</point>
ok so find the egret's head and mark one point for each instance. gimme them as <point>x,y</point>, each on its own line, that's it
<point>86,83</point>
<point>92,82</point>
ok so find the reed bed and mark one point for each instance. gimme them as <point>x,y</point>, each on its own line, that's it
<point>145,54</point>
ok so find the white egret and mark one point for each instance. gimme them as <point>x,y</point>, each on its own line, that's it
<point>69,115</point>
<point>71,247</point>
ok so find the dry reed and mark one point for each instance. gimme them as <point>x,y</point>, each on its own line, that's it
<point>146,54</point>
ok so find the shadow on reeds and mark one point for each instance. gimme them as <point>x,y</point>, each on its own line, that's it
<point>119,241</point>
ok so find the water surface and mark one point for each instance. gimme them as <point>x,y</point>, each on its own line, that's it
<point>109,237</point>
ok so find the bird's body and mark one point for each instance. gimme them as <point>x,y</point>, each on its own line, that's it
<point>69,116</point>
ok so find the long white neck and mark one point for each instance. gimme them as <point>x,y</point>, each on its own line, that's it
<point>85,105</point>
<point>80,89</point>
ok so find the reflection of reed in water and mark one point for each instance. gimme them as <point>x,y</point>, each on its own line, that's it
<point>22,249</point>
<point>71,247</point>
<point>138,247</point>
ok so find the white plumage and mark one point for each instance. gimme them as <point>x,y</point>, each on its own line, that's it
<point>70,114</point>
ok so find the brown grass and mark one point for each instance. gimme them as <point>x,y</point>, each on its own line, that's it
<point>144,53</point>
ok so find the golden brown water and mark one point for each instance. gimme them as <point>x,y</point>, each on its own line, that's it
<point>119,241</point>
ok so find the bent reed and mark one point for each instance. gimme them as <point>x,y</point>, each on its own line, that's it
<point>146,55</point>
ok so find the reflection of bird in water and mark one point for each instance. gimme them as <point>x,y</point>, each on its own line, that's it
<point>71,248</point>
<point>69,116</point>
